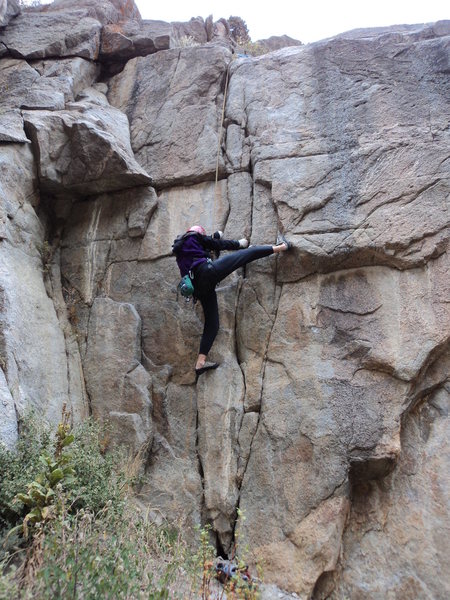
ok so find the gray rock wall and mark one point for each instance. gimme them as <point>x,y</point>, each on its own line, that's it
<point>325,423</point>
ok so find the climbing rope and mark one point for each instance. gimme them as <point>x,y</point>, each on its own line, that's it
<point>220,135</point>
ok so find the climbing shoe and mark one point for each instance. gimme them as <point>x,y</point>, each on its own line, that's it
<point>282,240</point>
<point>206,367</point>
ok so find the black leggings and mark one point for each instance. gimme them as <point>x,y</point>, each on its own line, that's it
<point>208,275</point>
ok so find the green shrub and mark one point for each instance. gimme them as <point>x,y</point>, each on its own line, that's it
<point>94,542</point>
<point>43,496</point>
<point>100,476</point>
<point>98,556</point>
<point>96,477</point>
<point>19,467</point>
<point>85,535</point>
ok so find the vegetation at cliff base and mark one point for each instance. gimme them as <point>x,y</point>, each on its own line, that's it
<point>70,526</point>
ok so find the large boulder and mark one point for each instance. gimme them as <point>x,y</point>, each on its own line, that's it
<point>354,384</point>
<point>189,33</point>
<point>44,85</point>
<point>62,28</point>
<point>84,150</point>
<point>43,35</point>
<point>125,40</point>
<point>276,42</point>
<point>372,209</point>
<point>106,11</point>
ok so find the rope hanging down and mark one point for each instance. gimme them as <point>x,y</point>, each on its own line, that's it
<point>220,133</point>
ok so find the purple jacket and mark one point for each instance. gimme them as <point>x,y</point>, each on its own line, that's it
<point>194,249</point>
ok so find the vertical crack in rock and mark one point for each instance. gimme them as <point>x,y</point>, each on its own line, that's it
<point>87,342</point>
<point>252,197</point>
<point>201,471</point>
<point>265,359</point>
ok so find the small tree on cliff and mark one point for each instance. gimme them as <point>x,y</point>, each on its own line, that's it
<point>239,30</point>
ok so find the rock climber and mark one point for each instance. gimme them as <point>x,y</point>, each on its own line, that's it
<point>193,253</point>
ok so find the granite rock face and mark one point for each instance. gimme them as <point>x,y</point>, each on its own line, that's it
<point>8,10</point>
<point>84,150</point>
<point>406,510</point>
<point>173,100</point>
<point>326,421</point>
<point>44,35</point>
<point>125,40</point>
<point>40,359</point>
<point>120,394</point>
<point>276,42</point>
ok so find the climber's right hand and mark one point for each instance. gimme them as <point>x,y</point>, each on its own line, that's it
<point>243,243</point>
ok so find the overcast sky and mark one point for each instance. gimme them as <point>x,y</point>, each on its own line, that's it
<point>307,21</point>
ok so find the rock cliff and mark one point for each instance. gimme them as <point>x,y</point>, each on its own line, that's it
<point>326,422</point>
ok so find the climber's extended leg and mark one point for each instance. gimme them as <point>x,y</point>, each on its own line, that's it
<point>206,278</point>
<point>225,265</point>
<point>210,330</point>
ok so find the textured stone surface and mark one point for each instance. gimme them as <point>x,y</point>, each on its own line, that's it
<point>56,34</point>
<point>350,377</point>
<point>46,85</point>
<point>8,10</point>
<point>106,11</point>
<point>129,39</point>
<point>172,100</point>
<point>85,150</point>
<point>276,42</point>
<point>119,392</point>
<point>325,421</point>
<point>33,347</point>
<point>174,482</point>
<point>298,184</point>
<point>193,31</point>
<point>204,203</point>
<point>220,416</point>
<point>64,28</point>
<point>8,421</point>
<point>326,144</point>
<point>401,523</point>
<point>11,127</point>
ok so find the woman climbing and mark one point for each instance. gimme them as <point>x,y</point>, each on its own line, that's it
<point>193,254</point>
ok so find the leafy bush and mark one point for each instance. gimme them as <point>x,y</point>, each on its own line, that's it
<point>99,556</point>
<point>93,541</point>
<point>42,496</point>
<point>96,477</point>
<point>100,476</point>
<point>19,468</point>
<point>251,48</point>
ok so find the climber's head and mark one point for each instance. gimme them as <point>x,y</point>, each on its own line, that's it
<point>198,229</point>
